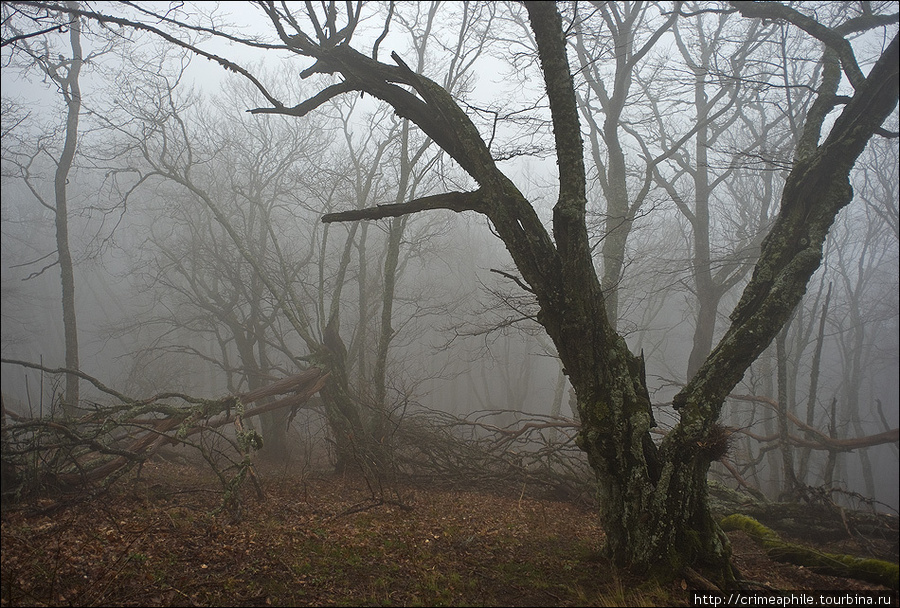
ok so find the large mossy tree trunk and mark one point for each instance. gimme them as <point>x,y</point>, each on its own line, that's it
<point>653,498</point>
<point>653,502</point>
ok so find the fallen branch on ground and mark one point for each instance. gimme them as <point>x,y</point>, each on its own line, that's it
<point>127,431</point>
<point>872,570</point>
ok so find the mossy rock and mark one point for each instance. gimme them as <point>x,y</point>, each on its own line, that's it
<point>871,570</point>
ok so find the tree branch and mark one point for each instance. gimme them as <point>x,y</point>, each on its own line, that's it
<point>831,38</point>
<point>106,19</point>
<point>20,37</point>
<point>305,107</point>
<point>454,201</point>
<point>514,279</point>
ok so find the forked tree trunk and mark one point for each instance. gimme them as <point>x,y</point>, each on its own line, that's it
<point>653,505</point>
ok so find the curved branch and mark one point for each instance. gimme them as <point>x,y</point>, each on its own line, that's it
<point>830,37</point>
<point>820,440</point>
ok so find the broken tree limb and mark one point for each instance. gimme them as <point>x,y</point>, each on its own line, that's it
<point>127,431</point>
<point>819,439</point>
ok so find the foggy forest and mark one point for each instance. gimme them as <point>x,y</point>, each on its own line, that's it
<point>492,303</point>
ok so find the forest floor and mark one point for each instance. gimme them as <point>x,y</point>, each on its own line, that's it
<point>324,540</point>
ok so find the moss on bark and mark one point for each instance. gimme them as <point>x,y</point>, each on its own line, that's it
<point>875,571</point>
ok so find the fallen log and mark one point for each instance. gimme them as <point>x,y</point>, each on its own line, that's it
<point>875,571</point>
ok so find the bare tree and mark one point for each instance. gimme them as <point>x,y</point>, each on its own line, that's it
<point>625,27</point>
<point>636,478</point>
<point>702,171</point>
<point>64,72</point>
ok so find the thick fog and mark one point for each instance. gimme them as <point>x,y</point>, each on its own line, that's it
<point>201,264</point>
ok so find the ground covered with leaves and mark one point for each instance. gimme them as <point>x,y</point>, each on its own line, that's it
<point>162,539</point>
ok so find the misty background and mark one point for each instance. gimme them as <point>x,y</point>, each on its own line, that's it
<point>175,186</point>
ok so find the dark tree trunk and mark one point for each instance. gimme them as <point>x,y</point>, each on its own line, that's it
<point>357,443</point>
<point>345,425</point>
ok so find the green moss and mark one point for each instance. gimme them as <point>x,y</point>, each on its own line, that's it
<point>693,544</point>
<point>872,570</point>
<point>751,527</point>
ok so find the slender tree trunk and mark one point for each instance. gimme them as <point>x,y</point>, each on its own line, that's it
<point>72,93</point>
<point>864,461</point>
<point>704,330</point>
<point>789,487</point>
<point>386,334</point>
<point>362,325</point>
<point>814,385</point>
<point>831,462</point>
<point>707,294</point>
<point>771,483</point>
